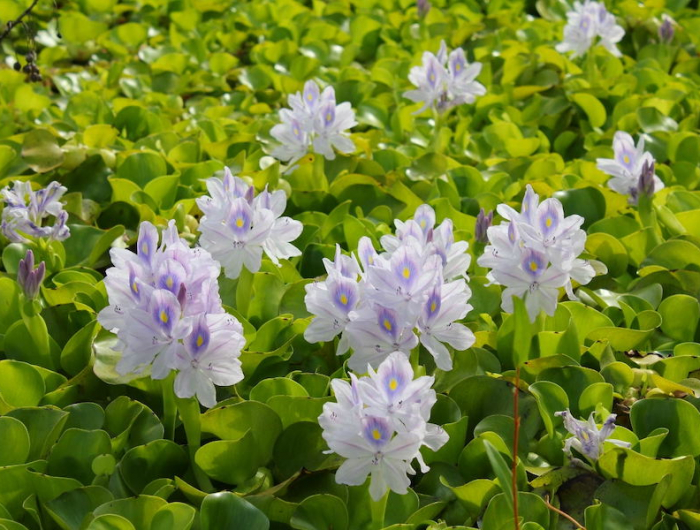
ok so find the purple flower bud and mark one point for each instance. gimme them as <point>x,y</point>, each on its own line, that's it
<point>29,278</point>
<point>645,185</point>
<point>483,221</point>
<point>666,30</point>
<point>423,7</point>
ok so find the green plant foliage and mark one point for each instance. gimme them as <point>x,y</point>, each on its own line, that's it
<point>140,101</point>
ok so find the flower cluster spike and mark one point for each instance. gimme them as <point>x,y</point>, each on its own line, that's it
<point>535,252</point>
<point>165,308</point>
<point>631,169</point>
<point>586,22</point>
<point>238,227</point>
<point>313,120</point>
<point>377,305</point>
<point>379,424</point>
<point>26,212</point>
<point>587,438</point>
<point>444,81</point>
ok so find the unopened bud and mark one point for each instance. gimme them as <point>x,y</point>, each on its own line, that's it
<point>645,185</point>
<point>29,278</point>
<point>423,7</point>
<point>483,222</point>
<point>666,30</point>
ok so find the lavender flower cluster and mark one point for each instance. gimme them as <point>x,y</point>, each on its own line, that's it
<point>417,284</point>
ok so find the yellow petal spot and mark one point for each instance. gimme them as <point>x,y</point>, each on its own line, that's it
<point>533,266</point>
<point>164,317</point>
<point>433,307</point>
<point>422,223</point>
<point>548,222</point>
<point>169,282</point>
<point>626,159</point>
<point>144,248</point>
<point>296,131</point>
<point>376,434</point>
<point>329,116</point>
<point>393,384</point>
<point>200,341</point>
<point>585,435</point>
<point>310,96</point>
<point>135,287</point>
<point>406,272</point>
<point>458,67</point>
<point>371,260</point>
<point>387,324</point>
<point>343,299</point>
<point>432,78</point>
<point>239,222</point>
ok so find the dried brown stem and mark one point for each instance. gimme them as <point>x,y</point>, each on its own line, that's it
<point>563,514</point>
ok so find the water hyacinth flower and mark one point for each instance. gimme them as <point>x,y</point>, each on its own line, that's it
<point>586,22</point>
<point>423,7</point>
<point>535,252</point>
<point>29,278</point>
<point>415,291</point>
<point>165,309</point>
<point>237,227</point>
<point>483,221</point>
<point>27,213</point>
<point>666,29</point>
<point>206,358</point>
<point>587,438</point>
<point>314,119</point>
<point>630,164</point>
<point>444,81</point>
<point>379,424</point>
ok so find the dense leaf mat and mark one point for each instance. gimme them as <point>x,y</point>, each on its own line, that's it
<point>141,101</point>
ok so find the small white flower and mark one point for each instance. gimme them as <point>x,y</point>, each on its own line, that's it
<point>627,166</point>
<point>587,438</point>
<point>26,212</point>
<point>379,424</point>
<point>238,227</point>
<point>209,357</point>
<point>314,120</point>
<point>586,22</point>
<point>442,86</point>
<point>535,253</point>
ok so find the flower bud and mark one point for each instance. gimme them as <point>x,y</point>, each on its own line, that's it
<point>423,7</point>
<point>666,30</point>
<point>645,186</point>
<point>29,278</point>
<point>483,221</point>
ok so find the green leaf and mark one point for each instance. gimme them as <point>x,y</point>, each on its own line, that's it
<point>587,202</point>
<point>21,385</point>
<point>174,516</point>
<point>678,416</point>
<point>41,152</point>
<point>65,461</point>
<point>320,512</point>
<point>503,473</point>
<point>157,459</point>
<point>70,508</point>
<point>142,168</point>
<point>226,510</point>
<point>594,109</point>
<point>15,438</point>
<point>230,461</point>
<point>680,314</point>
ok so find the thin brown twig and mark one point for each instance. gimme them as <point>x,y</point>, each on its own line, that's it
<point>516,435</point>
<point>563,514</point>
<point>12,23</point>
